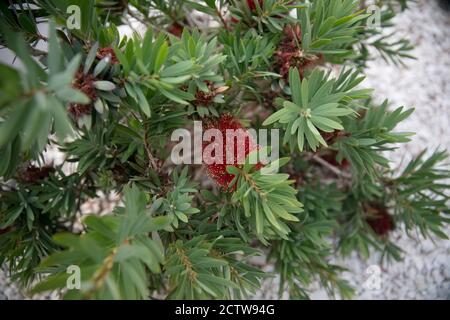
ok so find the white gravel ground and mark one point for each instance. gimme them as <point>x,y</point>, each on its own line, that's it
<point>8,290</point>
<point>424,84</point>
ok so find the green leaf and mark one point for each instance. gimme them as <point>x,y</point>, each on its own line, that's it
<point>211,3</point>
<point>161,57</point>
<point>55,54</point>
<point>26,23</point>
<point>91,58</point>
<point>104,85</point>
<point>101,66</point>
<point>17,44</point>
<point>178,69</point>
<point>123,60</point>
<point>294,81</point>
<point>326,122</point>
<point>51,283</point>
<point>11,216</point>
<point>143,104</point>
<point>72,95</point>
<point>173,96</point>
<point>10,128</point>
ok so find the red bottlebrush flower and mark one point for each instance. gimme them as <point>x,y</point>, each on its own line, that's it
<point>289,53</point>
<point>379,219</point>
<point>176,29</point>
<point>84,83</point>
<point>243,145</point>
<point>108,51</point>
<point>32,173</point>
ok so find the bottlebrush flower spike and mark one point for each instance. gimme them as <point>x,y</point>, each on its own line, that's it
<point>289,54</point>
<point>379,220</point>
<point>243,142</point>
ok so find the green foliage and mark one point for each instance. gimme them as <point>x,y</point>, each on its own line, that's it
<point>38,108</point>
<point>370,136</point>
<point>113,255</point>
<point>303,257</point>
<point>268,199</point>
<point>417,196</point>
<point>177,203</point>
<point>420,194</point>
<point>318,103</point>
<point>203,53</point>
<point>110,103</point>
<point>33,213</point>
<point>329,27</point>
<point>202,269</point>
<point>269,15</point>
<point>247,57</point>
<point>148,70</point>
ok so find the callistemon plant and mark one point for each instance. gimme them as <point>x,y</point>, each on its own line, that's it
<point>87,112</point>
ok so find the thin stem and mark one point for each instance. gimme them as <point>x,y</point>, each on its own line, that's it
<point>152,161</point>
<point>219,14</point>
<point>330,167</point>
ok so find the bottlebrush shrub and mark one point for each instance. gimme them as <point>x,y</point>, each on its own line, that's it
<point>110,104</point>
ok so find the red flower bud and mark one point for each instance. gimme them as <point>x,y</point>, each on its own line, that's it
<point>176,29</point>
<point>289,53</point>
<point>84,83</point>
<point>239,143</point>
<point>234,20</point>
<point>379,219</point>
